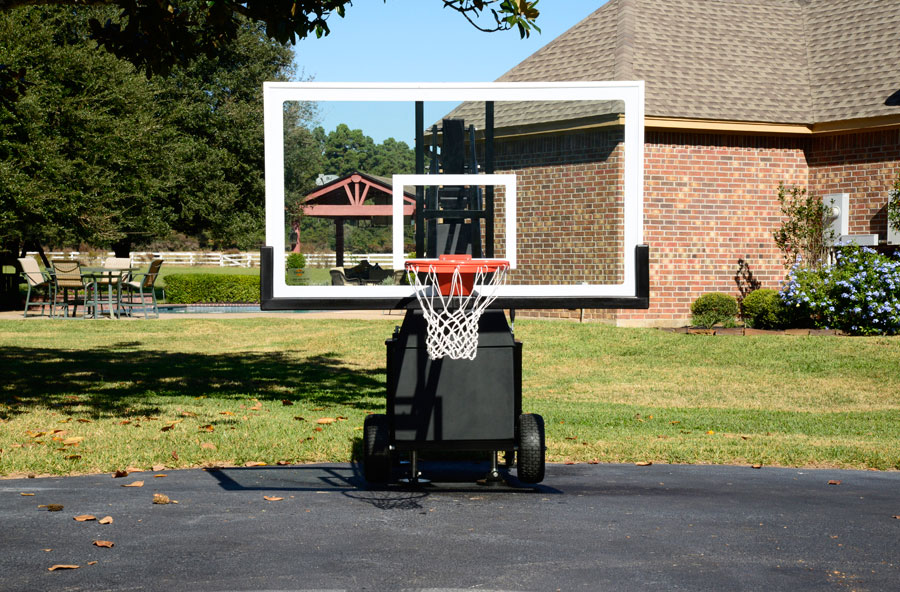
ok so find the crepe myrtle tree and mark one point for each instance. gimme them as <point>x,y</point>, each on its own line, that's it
<point>154,35</point>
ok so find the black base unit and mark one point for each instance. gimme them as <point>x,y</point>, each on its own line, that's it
<point>448,404</point>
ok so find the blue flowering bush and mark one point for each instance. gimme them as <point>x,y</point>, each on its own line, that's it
<point>858,294</point>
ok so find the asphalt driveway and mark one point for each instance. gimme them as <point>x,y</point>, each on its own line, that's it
<point>587,527</point>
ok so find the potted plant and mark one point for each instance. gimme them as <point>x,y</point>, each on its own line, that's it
<point>295,262</point>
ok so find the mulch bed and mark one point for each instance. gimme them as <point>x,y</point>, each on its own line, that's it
<point>747,331</point>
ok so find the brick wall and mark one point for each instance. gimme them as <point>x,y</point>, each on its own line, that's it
<point>569,208</point>
<point>865,166</point>
<point>710,207</point>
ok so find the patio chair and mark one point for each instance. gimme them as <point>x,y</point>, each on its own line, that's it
<point>140,291</point>
<point>38,279</point>
<point>339,278</point>
<point>68,277</point>
<point>106,281</point>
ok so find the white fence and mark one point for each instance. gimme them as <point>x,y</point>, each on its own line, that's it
<point>217,259</point>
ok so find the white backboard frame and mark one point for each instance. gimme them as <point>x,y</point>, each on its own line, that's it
<point>275,94</point>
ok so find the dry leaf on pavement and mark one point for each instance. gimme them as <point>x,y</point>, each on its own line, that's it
<point>85,518</point>
<point>272,498</point>
<point>62,566</point>
<point>119,474</point>
<point>834,482</point>
<point>133,484</point>
<point>161,498</point>
<point>105,520</point>
<point>106,544</point>
<point>643,463</point>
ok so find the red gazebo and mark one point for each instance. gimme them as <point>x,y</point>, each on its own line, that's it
<point>346,198</point>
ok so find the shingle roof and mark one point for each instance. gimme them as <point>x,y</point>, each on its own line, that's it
<point>776,61</point>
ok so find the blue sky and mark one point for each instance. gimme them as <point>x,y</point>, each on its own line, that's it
<point>417,41</point>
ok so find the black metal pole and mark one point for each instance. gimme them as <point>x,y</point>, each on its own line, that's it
<point>489,169</point>
<point>420,170</point>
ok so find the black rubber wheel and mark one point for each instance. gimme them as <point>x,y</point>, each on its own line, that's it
<point>376,449</point>
<point>530,456</point>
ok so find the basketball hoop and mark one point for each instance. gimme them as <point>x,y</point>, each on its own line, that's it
<point>453,291</point>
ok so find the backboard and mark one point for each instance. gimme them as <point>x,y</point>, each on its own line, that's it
<point>546,175</point>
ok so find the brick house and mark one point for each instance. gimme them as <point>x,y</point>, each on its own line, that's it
<point>741,95</point>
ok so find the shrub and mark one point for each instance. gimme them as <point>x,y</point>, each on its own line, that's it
<point>859,294</point>
<point>893,206</point>
<point>714,308</point>
<point>191,288</point>
<point>763,309</point>
<point>295,261</point>
<point>803,234</point>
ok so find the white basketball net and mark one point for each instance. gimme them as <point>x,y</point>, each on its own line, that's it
<point>453,320</point>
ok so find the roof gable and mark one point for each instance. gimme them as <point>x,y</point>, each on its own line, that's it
<point>768,61</point>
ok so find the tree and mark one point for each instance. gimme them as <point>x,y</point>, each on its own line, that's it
<point>81,156</point>
<point>155,35</point>
<point>95,153</point>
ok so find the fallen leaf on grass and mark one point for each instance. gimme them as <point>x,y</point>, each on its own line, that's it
<point>254,463</point>
<point>834,482</point>
<point>325,420</point>
<point>157,467</point>
<point>73,457</point>
<point>188,414</point>
<point>318,429</point>
<point>643,463</point>
<point>710,432</point>
<point>256,407</point>
<point>272,498</point>
<point>298,418</point>
<point>73,440</point>
<point>85,518</point>
<point>119,474</point>
<point>83,420</point>
<point>283,463</point>
<point>226,413</point>
<point>105,520</point>
<point>341,418</point>
<point>286,402</point>
<point>106,544</point>
<point>206,428</point>
<point>62,566</point>
<point>168,427</point>
<point>161,498</point>
<point>207,446</point>
<point>133,484</point>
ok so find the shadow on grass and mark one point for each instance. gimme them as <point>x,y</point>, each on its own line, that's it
<point>119,381</point>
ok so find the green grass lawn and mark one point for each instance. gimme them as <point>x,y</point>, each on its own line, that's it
<point>82,397</point>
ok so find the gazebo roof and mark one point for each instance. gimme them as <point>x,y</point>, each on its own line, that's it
<point>345,197</point>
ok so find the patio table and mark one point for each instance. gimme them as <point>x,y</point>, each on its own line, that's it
<point>113,275</point>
